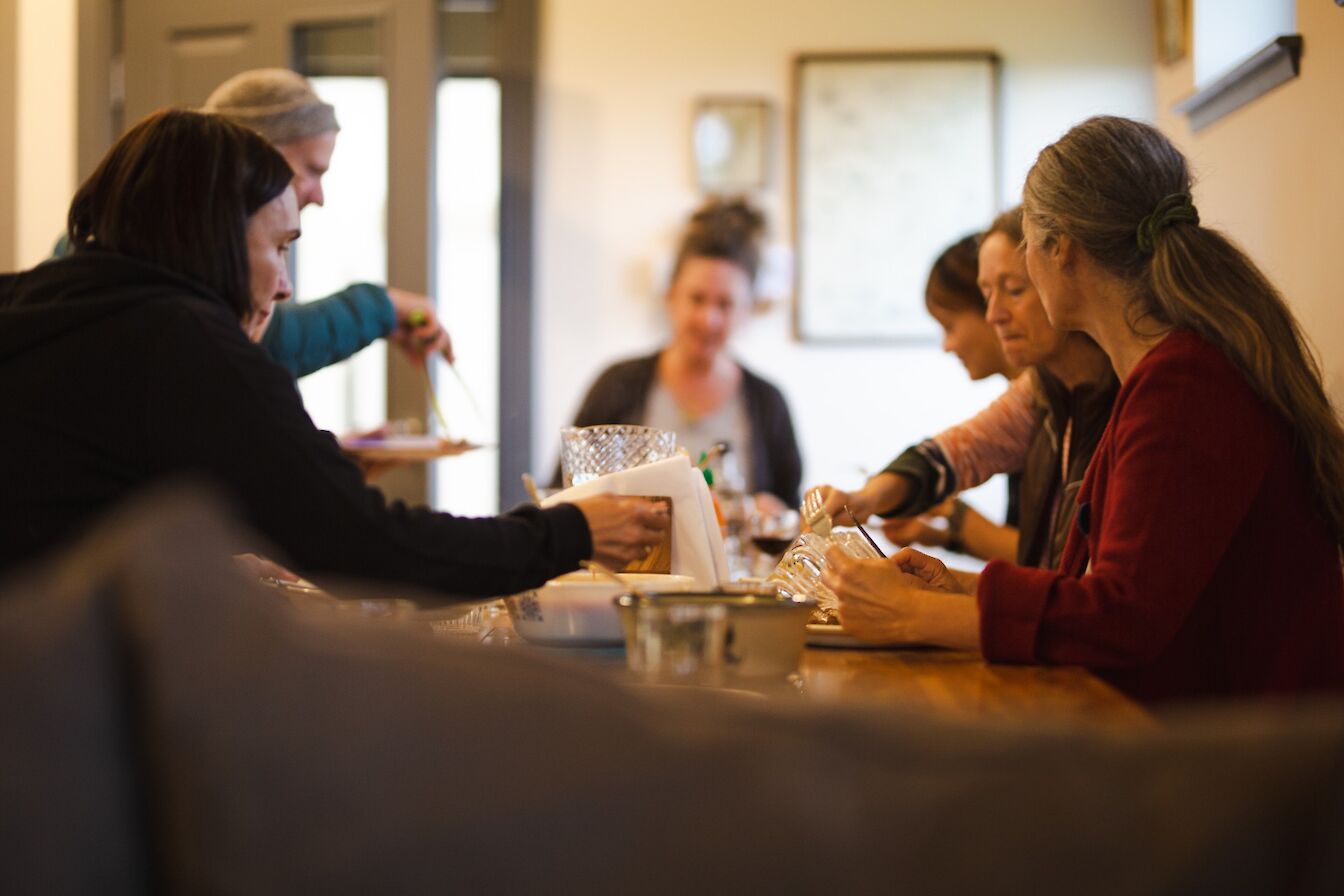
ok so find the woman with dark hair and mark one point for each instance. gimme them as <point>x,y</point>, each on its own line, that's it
<point>692,386</point>
<point>1045,426</point>
<point>143,202</point>
<point>953,298</point>
<point>126,364</point>
<point>1206,558</point>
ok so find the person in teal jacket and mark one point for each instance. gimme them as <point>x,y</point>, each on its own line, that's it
<point>282,106</point>
<point>304,337</point>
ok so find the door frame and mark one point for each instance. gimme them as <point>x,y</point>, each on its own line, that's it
<point>113,31</point>
<point>408,42</point>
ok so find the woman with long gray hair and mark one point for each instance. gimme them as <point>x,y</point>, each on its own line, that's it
<point>1205,559</point>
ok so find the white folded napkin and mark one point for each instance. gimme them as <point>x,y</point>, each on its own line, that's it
<point>697,542</point>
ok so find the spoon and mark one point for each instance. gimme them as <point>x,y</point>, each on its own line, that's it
<point>602,569</point>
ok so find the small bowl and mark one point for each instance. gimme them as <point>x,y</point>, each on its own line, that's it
<point>765,631</point>
<point>575,610</point>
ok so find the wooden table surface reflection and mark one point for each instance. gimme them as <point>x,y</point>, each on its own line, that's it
<point>961,684</point>
<point>950,683</point>
<point>953,684</point>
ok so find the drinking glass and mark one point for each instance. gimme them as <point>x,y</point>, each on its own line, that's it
<point>678,643</point>
<point>771,535</point>
<point>592,451</point>
<point>798,574</point>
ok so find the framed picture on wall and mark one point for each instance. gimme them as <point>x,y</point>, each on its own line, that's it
<point>895,158</point>
<point>730,144</point>
<point>1173,29</point>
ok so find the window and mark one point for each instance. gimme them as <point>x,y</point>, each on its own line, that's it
<point>345,240</point>
<point>468,180</point>
<point>1228,32</point>
<point>1243,49</point>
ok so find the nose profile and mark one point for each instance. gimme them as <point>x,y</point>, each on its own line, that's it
<point>308,191</point>
<point>994,310</point>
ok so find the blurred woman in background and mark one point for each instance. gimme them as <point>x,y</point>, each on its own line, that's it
<point>693,386</point>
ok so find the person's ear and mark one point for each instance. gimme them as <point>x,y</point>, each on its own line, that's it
<point>1064,251</point>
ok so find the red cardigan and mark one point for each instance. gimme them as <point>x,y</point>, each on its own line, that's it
<point>1212,570</point>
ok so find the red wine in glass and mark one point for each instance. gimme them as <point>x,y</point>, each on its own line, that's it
<point>773,545</point>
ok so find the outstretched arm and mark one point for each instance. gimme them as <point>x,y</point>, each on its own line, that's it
<point>305,337</point>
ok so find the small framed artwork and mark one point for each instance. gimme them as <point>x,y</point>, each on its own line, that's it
<point>730,144</point>
<point>895,158</point>
<point>1173,29</point>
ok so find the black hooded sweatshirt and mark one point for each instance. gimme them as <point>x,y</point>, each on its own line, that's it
<point>116,375</point>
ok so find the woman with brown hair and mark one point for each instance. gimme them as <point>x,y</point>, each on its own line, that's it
<point>693,386</point>
<point>1206,556</point>
<point>952,297</point>
<point>1045,426</point>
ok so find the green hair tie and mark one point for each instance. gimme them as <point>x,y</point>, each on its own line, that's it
<point>1172,209</point>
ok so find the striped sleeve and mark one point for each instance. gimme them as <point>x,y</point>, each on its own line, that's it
<point>996,439</point>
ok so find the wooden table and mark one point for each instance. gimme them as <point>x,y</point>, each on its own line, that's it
<point>949,683</point>
<point>960,684</point>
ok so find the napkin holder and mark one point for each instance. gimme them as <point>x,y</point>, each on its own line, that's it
<point>696,540</point>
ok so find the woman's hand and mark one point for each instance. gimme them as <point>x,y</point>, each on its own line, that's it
<point>623,528</point>
<point>920,529</point>
<point>930,570</point>
<point>909,597</point>
<point>882,492</point>
<point>769,504</point>
<point>908,530</point>
<point>418,330</point>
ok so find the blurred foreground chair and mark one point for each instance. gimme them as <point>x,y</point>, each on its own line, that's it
<point>168,726</point>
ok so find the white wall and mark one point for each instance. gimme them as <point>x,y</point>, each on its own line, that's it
<point>1270,176</point>
<point>618,83</point>
<point>45,112</point>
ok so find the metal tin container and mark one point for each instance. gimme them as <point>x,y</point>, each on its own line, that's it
<point>574,610</point>
<point>763,636</point>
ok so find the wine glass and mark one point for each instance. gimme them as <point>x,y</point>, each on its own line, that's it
<point>771,535</point>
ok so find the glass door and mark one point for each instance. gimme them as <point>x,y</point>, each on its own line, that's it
<point>467,250</point>
<point>485,112</point>
<point>345,240</point>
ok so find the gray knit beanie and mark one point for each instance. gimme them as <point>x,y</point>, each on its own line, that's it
<point>275,102</point>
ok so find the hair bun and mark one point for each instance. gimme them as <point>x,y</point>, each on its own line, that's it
<point>730,217</point>
<point>730,228</point>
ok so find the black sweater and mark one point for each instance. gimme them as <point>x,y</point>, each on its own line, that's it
<point>116,374</point>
